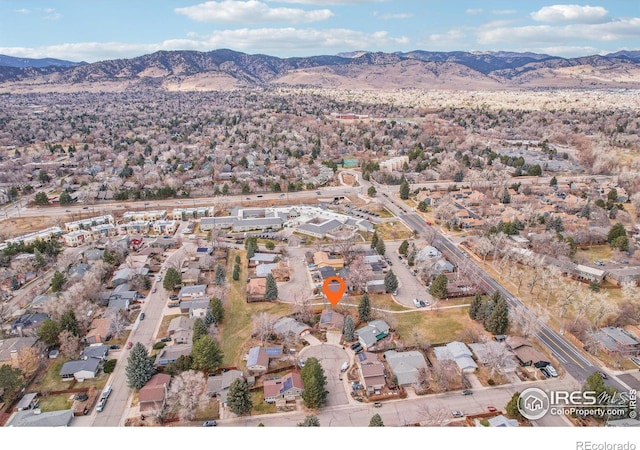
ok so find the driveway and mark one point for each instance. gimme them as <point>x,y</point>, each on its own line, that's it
<point>409,285</point>
<point>331,359</point>
<point>300,283</point>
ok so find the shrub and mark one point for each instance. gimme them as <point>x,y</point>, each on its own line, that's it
<point>109,365</point>
<point>490,382</point>
<point>159,345</point>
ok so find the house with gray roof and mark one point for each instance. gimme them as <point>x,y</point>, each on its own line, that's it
<point>258,258</point>
<point>10,347</point>
<point>616,339</point>
<point>288,326</point>
<point>171,353</point>
<point>491,352</point>
<point>181,329</point>
<point>405,365</point>
<point>218,385</point>
<point>258,357</point>
<point>371,333</point>
<point>319,230</point>
<point>81,369</point>
<point>331,319</point>
<point>459,353</point>
<point>262,270</point>
<point>98,351</point>
<point>195,308</point>
<point>197,290</point>
<point>36,418</point>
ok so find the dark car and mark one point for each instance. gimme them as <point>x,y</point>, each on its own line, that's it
<point>541,364</point>
<point>173,305</point>
<point>210,423</point>
<point>142,316</point>
<point>604,376</point>
<point>81,397</point>
<point>165,339</point>
<point>114,347</point>
<point>173,297</point>
<point>467,392</point>
<point>353,346</point>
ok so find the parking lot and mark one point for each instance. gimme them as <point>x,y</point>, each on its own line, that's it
<point>410,286</point>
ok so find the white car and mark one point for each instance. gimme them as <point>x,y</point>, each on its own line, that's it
<point>551,371</point>
<point>416,303</point>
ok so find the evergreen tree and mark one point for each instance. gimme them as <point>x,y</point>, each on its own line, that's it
<point>404,248</point>
<point>374,240</point>
<point>553,182</point>
<point>380,247</point>
<point>220,277</point>
<point>376,421</point>
<point>208,318</point>
<point>439,286</point>
<point>65,198</point>
<point>314,394</point>
<point>251,250</point>
<point>69,322</point>
<point>616,231</point>
<point>139,368</point>
<point>404,189</point>
<point>512,407</point>
<point>199,330</point>
<point>41,199</point>
<point>371,192</point>
<point>39,261</point>
<point>271,292</point>
<point>48,332</point>
<point>238,259</point>
<point>206,354</point>
<point>15,283</point>
<point>390,281</point>
<point>217,310</point>
<point>364,309</point>
<point>57,281</point>
<point>498,321</point>
<point>11,381</point>
<point>475,307</point>
<point>505,197</point>
<point>349,329</point>
<point>239,398</point>
<point>172,279</point>
<point>310,421</point>
<point>236,272</point>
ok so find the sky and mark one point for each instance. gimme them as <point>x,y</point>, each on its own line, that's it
<point>94,30</point>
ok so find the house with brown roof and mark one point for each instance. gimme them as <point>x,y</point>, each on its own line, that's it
<point>258,357</point>
<point>152,397</point>
<point>181,329</point>
<point>98,330</point>
<point>372,371</point>
<point>524,351</point>
<point>286,388</point>
<point>330,319</point>
<point>324,259</point>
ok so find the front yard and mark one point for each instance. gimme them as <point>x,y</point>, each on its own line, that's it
<point>51,380</point>
<point>56,402</point>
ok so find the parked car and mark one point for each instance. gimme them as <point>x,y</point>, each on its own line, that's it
<point>635,360</point>
<point>142,316</point>
<point>82,397</point>
<point>129,344</point>
<point>357,344</point>
<point>424,304</point>
<point>491,409</point>
<point>467,392</point>
<point>457,414</point>
<point>541,364</point>
<point>545,372</point>
<point>173,305</point>
<point>165,339</point>
<point>101,403</point>
<point>604,375</point>
<point>377,404</point>
<point>114,347</point>
<point>552,371</point>
<point>154,290</point>
<point>416,303</point>
<point>106,392</point>
<point>173,297</point>
<point>210,423</point>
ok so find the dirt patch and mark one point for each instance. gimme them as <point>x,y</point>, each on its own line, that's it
<point>17,226</point>
<point>348,179</point>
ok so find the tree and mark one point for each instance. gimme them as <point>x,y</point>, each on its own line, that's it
<point>364,309</point>
<point>69,343</point>
<point>390,281</point>
<point>374,240</point>
<point>616,231</point>
<point>11,381</point>
<point>239,398</point>
<point>498,321</point>
<point>15,283</point>
<point>251,249</point>
<point>236,272</point>
<point>475,307</point>
<point>621,243</point>
<point>187,394</point>
<point>404,189</point>
<point>348,330</point>
<point>199,329</point>
<point>439,286</point>
<point>314,394</point>
<point>271,291</point>
<point>69,322</point>
<point>43,177</point>
<point>269,245</point>
<point>310,421</point>
<point>220,277</point>
<point>553,182</point>
<point>376,421</point>
<point>217,310</point>
<point>109,365</point>
<point>57,281</point>
<point>172,279</point>
<point>371,192</point>
<point>139,368</point>
<point>28,360</point>
<point>404,248</point>
<point>380,247</point>
<point>48,332</point>
<point>182,364</point>
<point>41,199</point>
<point>512,407</point>
<point>65,198</point>
<point>206,354</point>
<point>505,197</point>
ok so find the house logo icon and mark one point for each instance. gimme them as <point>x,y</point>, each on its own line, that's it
<point>533,403</point>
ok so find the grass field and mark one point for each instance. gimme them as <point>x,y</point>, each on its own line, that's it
<point>259,405</point>
<point>56,402</point>
<point>394,230</point>
<point>235,331</point>
<point>435,326</point>
<point>601,252</point>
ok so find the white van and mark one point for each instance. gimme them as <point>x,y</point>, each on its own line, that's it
<point>344,367</point>
<point>101,404</point>
<point>106,392</point>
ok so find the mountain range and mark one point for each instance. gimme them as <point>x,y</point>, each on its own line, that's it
<point>227,69</point>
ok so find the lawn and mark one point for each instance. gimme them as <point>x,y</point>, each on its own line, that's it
<point>384,301</point>
<point>393,230</point>
<point>52,381</point>
<point>236,328</point>
<point>56,402</point>
<point>437,326</point>
<point>590,254</point>
<point>209,412</point>
<point>259,405</point>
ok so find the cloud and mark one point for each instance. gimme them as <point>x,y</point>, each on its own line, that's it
<point>451,36</point>
<point>250,12</point>
<point>274,41</point>
<point>571,13</point>
<point>22,11</point>
<point>392,16</point>
<point>52,16</point>
<point>474,12</point>
<point>331,2</point>
<point>569,51</point>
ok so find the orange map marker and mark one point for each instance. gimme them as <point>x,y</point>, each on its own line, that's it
<point>334,288</point>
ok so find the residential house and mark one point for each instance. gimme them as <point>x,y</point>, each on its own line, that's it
<point>263,270</point>
<point>9,348</point>
<point>370,334</point>
<point>80,369</point>
<point>459,353</point>
<point>586,274</point>
<point>171,353</point>
<point>330,319</point>
<point>324,259</point>
<point>181,329</point>
<point>617,340</point>
<point>153,395</point>
<point>218,385</point>
<point>288,387</point>
<point>372,372</point>
<point>195,308</point>
<point>286,326</point>
<point>405,365</point>
<point>492,352</point>
<point>259,357</point>
<point>98,351</point>
<point>28,324</point>
<point>198,290</point>
<point>262,258</point>
<point>191,276</point>
<point>524,351</point>
<point>98,330</point>
<point>375,287</point>
<point>624,275</point>
<point>319,230</point>
<point>326,272</point>
<point>502,421</point>
<point>37,418</point>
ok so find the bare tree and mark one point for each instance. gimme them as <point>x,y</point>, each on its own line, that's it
<point>358,275</point>
<point>69,344</point>
<point>119,323</point>
<point>263,325</point>
<point>433,416</point>
<point>187,394</point>
<point>28,359</point>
